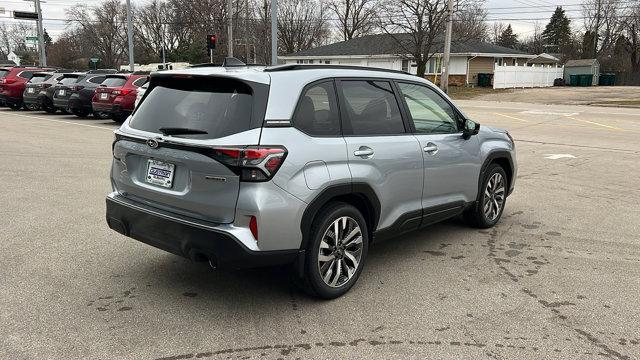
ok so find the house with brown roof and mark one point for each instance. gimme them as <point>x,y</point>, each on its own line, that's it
<point>468,58</point>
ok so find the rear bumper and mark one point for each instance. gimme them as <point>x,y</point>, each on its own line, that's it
<point>10,99</point>
<point>31,99</point>
<point>76,103</point>
<point>189,238</point>
<point>60,103</point>
<point>110,109</point>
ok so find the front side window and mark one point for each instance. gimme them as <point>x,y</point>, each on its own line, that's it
<point>431,114</point>
<point>370,108</point>
<point>317,111</point>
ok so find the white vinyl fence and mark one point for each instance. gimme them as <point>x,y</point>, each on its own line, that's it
<point>525,76</point>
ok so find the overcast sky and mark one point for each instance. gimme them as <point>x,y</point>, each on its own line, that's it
<point>521,14</point>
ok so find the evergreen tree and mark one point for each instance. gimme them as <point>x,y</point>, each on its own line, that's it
<point>558,30</point>
<point>47,38</point>
<point>508,38</point>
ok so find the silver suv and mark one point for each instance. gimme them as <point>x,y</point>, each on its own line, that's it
<point>307,165</point>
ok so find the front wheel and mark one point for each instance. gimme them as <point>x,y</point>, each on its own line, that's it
<point>490,203</point>
<point>337,251</point>
<point>14,106</point>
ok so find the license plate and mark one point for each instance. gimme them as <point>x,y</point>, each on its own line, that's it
<point>160,173</point>
<point>30,90</point>
<point>104,96</point>
<point>61,92</point>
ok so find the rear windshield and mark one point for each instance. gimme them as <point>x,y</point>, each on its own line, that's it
<point>3,72</point>
<point>38,78</point>
<point>68,80</point>
<point>220,108</point>
<point>114,81</point>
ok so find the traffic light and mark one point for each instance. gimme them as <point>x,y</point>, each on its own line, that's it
<point>211,42</point>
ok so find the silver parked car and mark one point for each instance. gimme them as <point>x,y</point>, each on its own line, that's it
<point>300,164</point>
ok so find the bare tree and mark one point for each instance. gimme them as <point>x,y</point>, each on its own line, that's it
<point>302,25</point>
<point>415,26</point>
<point>603,18</point>
<point>632,34</point>
<point>355,17</point>
<point>470,22</point>
<point>497,28</point>
<point>104,29</point>
<point>12,37</point>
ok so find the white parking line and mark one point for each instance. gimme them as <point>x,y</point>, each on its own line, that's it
<point>58,121</point>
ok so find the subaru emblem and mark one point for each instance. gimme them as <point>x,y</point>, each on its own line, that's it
<point>152,143</point>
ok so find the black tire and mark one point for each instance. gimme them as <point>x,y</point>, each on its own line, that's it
<point>80,113</point>
<point>49,109</point>
<point>65,111</point>
<point>476,216</point>
<point>32,107</point>
<point>313,281</point>
<point>100,115</point>
<point>14,106</point>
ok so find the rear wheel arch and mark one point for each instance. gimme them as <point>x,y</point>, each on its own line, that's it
<point>359,195</point>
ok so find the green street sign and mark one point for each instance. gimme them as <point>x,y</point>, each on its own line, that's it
<point>94,60</point>
<point>32,38</point>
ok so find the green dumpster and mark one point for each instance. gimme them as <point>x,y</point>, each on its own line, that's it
<point>607,80</point>
<point>573,80</point>
<point>585,80</point>
<point>484,79</point>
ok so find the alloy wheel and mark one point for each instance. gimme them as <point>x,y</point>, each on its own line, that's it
<point>494,194</point>
<point>340,251</point>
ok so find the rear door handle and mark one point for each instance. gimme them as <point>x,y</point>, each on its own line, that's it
<point>431,148</point>
<point>364,152</point>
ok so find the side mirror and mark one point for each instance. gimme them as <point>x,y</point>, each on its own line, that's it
<point>470,128</point>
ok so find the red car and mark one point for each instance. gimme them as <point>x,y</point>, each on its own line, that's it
<point>116,95</point>
<point>13,81</point>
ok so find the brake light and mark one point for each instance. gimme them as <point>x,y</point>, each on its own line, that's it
<point>123,92</point>
<point>253,226</point>
<point>8,81</point>
<point>252,163</point>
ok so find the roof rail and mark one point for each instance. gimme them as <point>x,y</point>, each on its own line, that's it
<point>286,67</point>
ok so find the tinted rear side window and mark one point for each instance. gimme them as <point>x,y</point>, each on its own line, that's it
<point>317,111</point>
<point>26,74</point>
<point>68,80</point>
<point>221,108</point>
<point>114,81</point>
<point>370,108</point>
<point>97,79</point>
<point>38,78</point>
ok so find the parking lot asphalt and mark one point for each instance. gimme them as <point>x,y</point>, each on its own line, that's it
<point>558,277</point>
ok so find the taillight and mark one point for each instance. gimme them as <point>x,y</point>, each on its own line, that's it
<point>123,92</point>
<point>252,163</point>
<point>8,81</point>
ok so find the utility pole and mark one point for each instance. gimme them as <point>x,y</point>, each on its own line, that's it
<point>246,28</point>
<point>444,79</point>
<point>230,28</point>
<point>41,45</point>
<point>274,32</point>
<point>130,36</point>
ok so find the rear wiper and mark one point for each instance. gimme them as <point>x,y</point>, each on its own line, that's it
<point>180,131</point>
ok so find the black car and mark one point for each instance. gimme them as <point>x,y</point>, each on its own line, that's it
<point>62,91</point>
<point>46,93</point>
<point>79,101</point>
<point>39,81</point>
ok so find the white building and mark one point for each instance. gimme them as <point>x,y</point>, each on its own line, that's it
<point>14,57</point>
<point>467,60</point>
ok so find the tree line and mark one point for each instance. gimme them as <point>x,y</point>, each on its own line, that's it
<point>417,27</point>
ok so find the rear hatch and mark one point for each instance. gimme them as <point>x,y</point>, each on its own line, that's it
<point>64,88</point>
<point>35,84</point>
<point>105,92</point>
<point>181,150</point>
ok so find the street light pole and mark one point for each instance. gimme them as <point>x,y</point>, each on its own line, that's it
<point>274,32</point>
<point>230,28</point>
<point>129,36</point>
<point>444,80</point>
<point>41,44</point>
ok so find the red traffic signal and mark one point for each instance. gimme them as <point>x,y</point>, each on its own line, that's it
<point>211,41</point>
